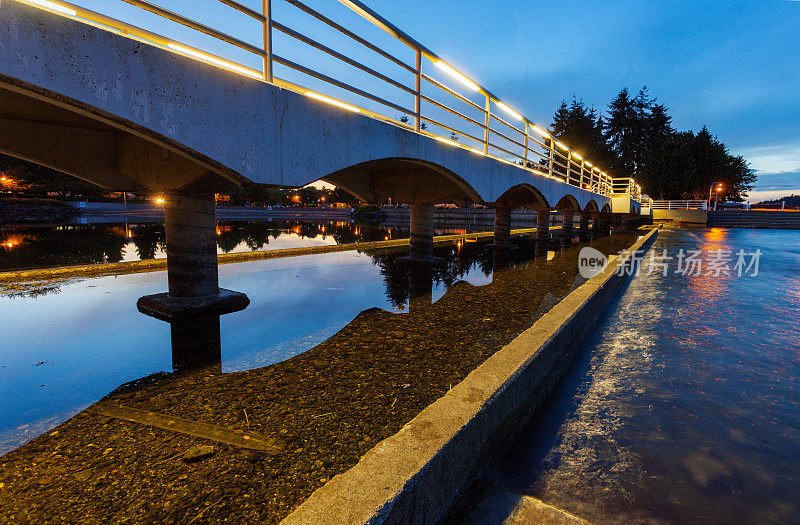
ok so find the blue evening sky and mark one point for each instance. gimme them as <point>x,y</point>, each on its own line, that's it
<point>732,65</point>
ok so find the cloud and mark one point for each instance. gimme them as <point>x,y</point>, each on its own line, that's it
<point>774,159</point>
<point>768,195</point>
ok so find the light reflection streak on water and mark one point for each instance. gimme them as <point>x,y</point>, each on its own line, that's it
<point>588,441</point>
<point>684,406</point>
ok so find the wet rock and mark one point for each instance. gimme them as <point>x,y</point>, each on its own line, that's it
<point>252,457</point>
<point>198,452</point>
<point>83,475</point>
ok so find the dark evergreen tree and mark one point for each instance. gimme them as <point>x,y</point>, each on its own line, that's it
<point>637,140</point>
<point>620,132</point>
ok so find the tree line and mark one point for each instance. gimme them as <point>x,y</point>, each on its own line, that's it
<point>635,138</point>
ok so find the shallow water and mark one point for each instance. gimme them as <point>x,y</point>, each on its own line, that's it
<point>69,343</point>
<point>684,405</point>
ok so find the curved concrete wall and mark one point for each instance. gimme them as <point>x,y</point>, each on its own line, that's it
<point>255,129</point>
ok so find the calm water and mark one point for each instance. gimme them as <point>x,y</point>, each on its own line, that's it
<point>71,342</point>
<point>685,404</point>
<point>41,247</point>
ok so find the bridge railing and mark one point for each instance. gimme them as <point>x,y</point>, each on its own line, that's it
<point>680,205</point>
<point>424,100</point>
<point>626,187</point>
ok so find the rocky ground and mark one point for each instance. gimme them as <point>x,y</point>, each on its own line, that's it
<point>324,409</point>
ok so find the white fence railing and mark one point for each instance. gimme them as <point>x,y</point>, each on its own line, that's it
<point>680,205</point>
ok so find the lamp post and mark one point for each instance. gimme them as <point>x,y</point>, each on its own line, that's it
<point>714,186</point>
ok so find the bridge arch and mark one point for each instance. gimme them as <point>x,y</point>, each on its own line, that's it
<point>568,203</point>
<point>522,196</point>
<point>403,179</point>
<point>591,206</point>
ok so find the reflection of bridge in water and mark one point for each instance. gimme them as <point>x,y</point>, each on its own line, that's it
<point>91,100</point>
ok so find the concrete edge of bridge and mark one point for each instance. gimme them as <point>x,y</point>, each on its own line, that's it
<point>416,475</point>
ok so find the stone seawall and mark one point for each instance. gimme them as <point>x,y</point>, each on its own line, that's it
<point>417,474</point>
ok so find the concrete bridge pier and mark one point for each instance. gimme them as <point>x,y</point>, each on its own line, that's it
<point>629,222</point>
<point>421,237</point>
<point>567,233</point>
<point>583,229</point>
<point>192,273</point>
<point>605,224</point>
<point>542,233</point>
<point>596,226</point>
<point>502,229</point>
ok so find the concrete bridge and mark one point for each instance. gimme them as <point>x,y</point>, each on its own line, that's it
<point>130,110</point>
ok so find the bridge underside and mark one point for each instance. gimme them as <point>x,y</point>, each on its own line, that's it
<point>98,150</point>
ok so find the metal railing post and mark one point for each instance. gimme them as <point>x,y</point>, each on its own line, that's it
<point>583,183</point>
<point>569,168</point>
<point>267,11</point>
<point>486,126</point>
<point>525,154</point>
<point>418,93</point>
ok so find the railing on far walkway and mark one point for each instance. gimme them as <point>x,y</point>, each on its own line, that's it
<point>485,133</point>
<point>680,205</point>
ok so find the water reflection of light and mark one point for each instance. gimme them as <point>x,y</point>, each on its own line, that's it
<point>716,234</point>
<point>793,289</point>
<point>12,242</point>
<point>709,287</point>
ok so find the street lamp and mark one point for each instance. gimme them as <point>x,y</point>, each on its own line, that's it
<point>716,186</point>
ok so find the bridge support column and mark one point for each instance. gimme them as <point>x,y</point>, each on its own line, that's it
<point>502,229</point>
<point>596,226</point>
<point>192,273</point>
<point>629,222</point>
<point>583,230</point>
<point>421,237</point>
<point>567,232</point>
<point>542,233</point>
<point>605,224</point>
